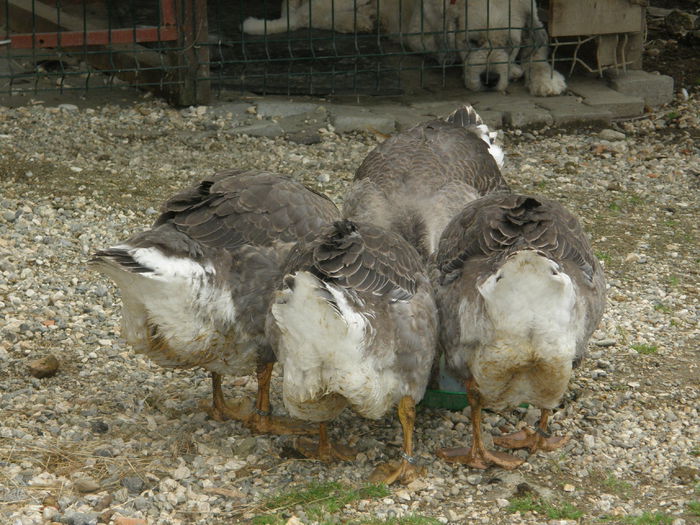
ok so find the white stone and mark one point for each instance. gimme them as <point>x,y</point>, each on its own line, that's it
<point>611,134</point>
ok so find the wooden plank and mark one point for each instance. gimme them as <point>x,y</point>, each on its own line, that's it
<point>594,17</point>
<point>193,62</point>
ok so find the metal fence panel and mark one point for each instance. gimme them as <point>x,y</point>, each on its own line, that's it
<point>182,47</point>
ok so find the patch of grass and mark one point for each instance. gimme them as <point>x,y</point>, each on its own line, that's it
<point>317,499</point>
<point>674,280</point>
<point>614,206</point>
<point>413,519</point>
<point>645,349</point>
<point>695,451</point>
<point>617,486</point>
<point>524,504</point>
<point>603,256</point>
<point>563,511</point>
<point>672,115</point>
<point>661,307</point>
<point>636,199</point>
<point>609,482</point>
<point>648,518</point>
<point>694,508</point>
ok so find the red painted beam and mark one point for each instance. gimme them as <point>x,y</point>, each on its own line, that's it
<point>167,13</point>
<point>93,38</point>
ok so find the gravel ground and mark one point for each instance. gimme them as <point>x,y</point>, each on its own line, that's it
<point>111,436</point>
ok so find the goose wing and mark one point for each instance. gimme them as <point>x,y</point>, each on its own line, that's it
<point>233,207</point>
<point>496,225</point>
<point>360,257</point>
<point>435,153</point>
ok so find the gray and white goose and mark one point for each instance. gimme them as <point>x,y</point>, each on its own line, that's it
<point>354,324</point>
<point>417,180</point>
<point>196,286</point>
<point>519,293</point>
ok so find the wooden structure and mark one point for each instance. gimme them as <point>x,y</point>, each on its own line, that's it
<point>615,26</point>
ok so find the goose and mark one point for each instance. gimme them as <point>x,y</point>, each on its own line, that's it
<point>195,287</point>
<point>519,292</point>
<point>417,180</point>
<point>354,324</point>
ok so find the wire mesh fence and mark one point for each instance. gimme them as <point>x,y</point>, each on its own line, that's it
<point>184,48</point>
<point>372,47</point>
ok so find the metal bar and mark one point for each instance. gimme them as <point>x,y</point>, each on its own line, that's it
<point>93,38</point>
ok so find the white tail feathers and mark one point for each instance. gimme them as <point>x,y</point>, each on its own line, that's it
<point>467,117</point>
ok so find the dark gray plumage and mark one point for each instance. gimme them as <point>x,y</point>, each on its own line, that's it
<point>416,181</point>
<point>520,293</point>
<point>196,286</point>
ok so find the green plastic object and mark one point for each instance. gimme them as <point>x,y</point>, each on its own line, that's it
<point>444,399</point>
<point>455,401</point>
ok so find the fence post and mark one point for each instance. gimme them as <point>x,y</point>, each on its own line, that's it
<point>192,57</point>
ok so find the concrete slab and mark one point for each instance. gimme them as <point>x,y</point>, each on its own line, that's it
<point>492,117</point>
<point>235,111</point>
<point>283,108</point>
<point>654,89</point>
<point>404,116</point>
<point>436,108</point>
<point>568,110</point>
<point>357,118</point>
<point>596,94</point>
<point>311,120</point>
<point>262,128</point>
<point>527,117</point>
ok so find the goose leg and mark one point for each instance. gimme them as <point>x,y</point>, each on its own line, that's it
<point>478,456</point>
<point>221,410</point>
<point>324,449</point>
<point>538,439</point>
<point>261,419</point>
<point>405,470</point>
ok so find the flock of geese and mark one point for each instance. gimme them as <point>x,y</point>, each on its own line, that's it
<point>432,256</point>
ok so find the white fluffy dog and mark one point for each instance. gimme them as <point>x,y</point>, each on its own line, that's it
<point>488,35</point>
<point>343,16</point>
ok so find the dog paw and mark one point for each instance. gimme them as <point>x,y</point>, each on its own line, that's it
<point>253,26</point>
<point>547,84</point>
<point>515,72</point>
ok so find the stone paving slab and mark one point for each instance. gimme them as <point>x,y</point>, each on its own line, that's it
<point>596,94</point>
<point>568,110</point>
<point>404,116</point>
<point>356,118</point>
<point>594,101</point>
<point>655,89</point>
<point>283,108</point>
<point>261,128</point>
<point>526,117</point>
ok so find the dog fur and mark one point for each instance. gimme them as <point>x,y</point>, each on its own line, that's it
<point>490,52</point>
<point>335,15</point>
<point>487,47</point>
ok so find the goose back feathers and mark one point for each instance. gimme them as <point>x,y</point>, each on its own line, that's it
<point>196,286</point>
<point>416,181</point>
<point>367,333</point>
<point>520,293</point>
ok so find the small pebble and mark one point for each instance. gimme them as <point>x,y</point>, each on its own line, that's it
<point>43,367</point>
